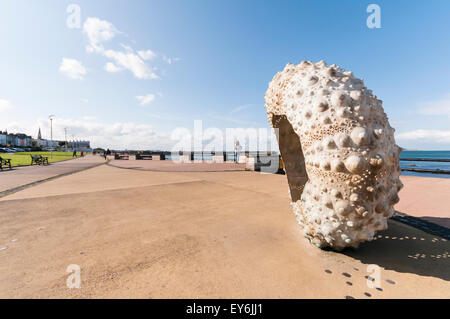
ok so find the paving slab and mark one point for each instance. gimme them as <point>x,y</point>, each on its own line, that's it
<point>174,166</point>
<point>24,175</point>
<point>427,198</point>
<point>196,235</point>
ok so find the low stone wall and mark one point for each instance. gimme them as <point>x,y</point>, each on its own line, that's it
<point>185,158</point>
<point>250,163</point>
<point>217,158</point>
<point>242,159</point>
<point>265,163</point>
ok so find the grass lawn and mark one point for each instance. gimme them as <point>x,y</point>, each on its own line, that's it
<point>24,158</point>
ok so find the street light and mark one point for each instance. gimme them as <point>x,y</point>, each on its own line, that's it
<point>73,143</point>
<point>51,134</point>
<point>65,137</point>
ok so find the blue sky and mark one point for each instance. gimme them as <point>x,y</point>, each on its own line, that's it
<point>212,61</point>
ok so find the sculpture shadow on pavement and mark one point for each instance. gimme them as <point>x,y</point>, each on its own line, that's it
<point>406,249</point>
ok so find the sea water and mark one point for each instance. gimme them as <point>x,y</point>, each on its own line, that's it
<point>425,165</point>
<point>403,164</point>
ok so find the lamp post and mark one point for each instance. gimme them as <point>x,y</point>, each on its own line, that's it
<point>73,143</point>
<point>65,138</point>
<point>51,134</point>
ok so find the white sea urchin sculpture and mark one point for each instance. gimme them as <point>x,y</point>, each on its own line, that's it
<point>339,152</point>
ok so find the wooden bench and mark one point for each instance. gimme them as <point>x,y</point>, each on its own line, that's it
<point>5,161</point>
<point>39,159</point>
<point>143,157</point>
<point>121,157</point>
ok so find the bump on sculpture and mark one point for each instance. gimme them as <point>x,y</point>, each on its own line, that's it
<point>339,151</point>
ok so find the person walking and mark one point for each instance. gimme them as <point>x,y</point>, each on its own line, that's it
<point>74,154</point>
<point>237,149</point>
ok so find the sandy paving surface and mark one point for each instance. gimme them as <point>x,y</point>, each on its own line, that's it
<point>194,235</point>
<point>427,198</point>
<point>173,166</point>
<point>23,175</point>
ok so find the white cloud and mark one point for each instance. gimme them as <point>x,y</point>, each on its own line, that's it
<point>438,107</point>
<point>111,67</point>
<point>131,61</point>
<point>72,68</point>
<point>170,60</point>
<point>130,135</point>
<point>127,47</point>
<point>240,108</point>
<point>145,99</point>
<point>98,31</point>
<point>147,54</point>
<point>432,136</point>
<point>233,120</point>
<point>5,105</point>
<point>119,135</point>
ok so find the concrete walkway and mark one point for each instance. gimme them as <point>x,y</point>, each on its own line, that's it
<point>148,234</point>
<point>173,166</point>
<point>21,176</point>
<point>427,198</point>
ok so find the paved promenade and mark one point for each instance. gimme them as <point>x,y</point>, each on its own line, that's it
<point>20,176</point>
<point>150,234</point>
<point>427,198</point>
<point>172,166</point>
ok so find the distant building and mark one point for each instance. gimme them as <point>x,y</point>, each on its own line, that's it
<point>3,138</point>
<point>10,140</point>
<point>84,146</point>
<point>22,141</point>
<point>44,143</point>
<point>15,140</point>
<point>47,143</point>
